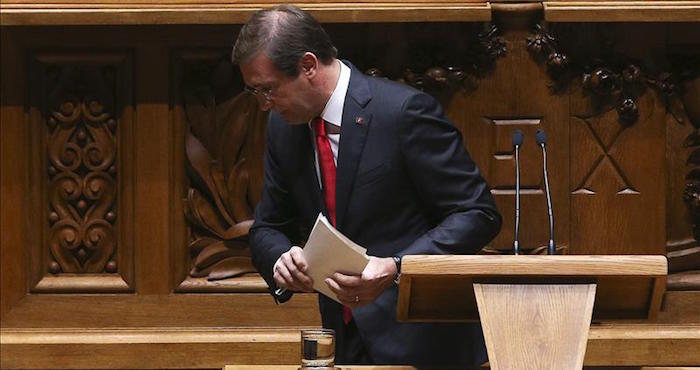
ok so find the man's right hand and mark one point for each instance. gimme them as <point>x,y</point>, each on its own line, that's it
<point>290,271</point>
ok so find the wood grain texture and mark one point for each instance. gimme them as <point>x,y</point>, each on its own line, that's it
<point>604,265</point>
<point>609,183</point>
<point>81,179</point>
<point>13,179</point>
<point>680,307</point>
<point>622,11</point>
<point>181,348</point>
<point>514,94</point>
<point>629,287</point>
<point>295,367</point>
<point>100,14</point>
<point>643,345</point>
<point>177,310</point>
<point>537,326</point>
<point>620,345</point>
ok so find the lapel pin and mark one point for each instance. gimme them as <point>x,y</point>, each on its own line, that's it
<point>359,120</point>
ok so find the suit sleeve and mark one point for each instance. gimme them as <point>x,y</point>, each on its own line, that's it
<point>447,181</point>
<point>274,219</point>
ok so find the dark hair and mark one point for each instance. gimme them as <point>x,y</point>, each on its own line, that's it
<point>284,33</point>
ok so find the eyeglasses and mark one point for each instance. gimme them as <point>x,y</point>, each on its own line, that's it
<point>265,92</point>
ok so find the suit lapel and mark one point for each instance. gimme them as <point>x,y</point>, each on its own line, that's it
<point>353,133</point>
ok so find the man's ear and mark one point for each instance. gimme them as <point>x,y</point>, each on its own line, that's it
<point>308,65</point>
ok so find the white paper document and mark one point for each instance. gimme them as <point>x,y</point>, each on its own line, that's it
<point>328,251</point>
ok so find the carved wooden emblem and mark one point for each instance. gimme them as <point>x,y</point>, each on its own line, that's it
<point>224,146</point>
<point>480,58</point>
<point>82,170</point>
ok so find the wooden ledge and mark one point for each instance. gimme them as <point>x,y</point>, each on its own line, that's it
<point>44,14</point>
<point>141,348</point>
<point>643,345</point>
<point>622,11</point>
<point>560,265</point>
<point>608,345</point>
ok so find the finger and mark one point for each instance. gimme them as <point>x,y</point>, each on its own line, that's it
<point>335,288</point>
<point>347,298</point>
<point>348,281</point>
<point>290,272</point>
<point>298,258</point>
<point>283,274</point>
<point>298,268</point>
<point>298,276</point>
<point>288,279</point>
<point>279,281</point>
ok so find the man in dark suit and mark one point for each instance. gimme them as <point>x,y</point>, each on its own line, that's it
<point>383,163</point>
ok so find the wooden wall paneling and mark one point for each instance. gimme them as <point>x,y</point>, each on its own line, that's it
<point>251,310</point>
<point>220,133</point>
<point>13,179</point>
<point>616,204</point>
<point>516,96</point>
<point>204,12</point>
<point>155,165</point>
<point>154,169</point>
<point>682,207</point>
<point>622,11</point>
<point>683,250</point>
<point>80,179</point>
<point>617,185</point>
<point>642,345</point>
<point>680,307</point>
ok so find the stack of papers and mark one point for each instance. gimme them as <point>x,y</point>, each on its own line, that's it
<point>328,251</point>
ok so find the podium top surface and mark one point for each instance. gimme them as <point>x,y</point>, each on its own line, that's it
<point>567,265</point>
<point>439,288</point>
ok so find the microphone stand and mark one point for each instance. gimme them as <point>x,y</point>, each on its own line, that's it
<point>517,141</point>
<point>541,140</point>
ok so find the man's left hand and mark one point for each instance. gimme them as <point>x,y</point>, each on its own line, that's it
<point>359,290</point>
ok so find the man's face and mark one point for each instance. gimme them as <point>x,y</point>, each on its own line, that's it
<point>292,97</point>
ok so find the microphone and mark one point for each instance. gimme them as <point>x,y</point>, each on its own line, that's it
<point>541,141</point>
<point>517,142</point>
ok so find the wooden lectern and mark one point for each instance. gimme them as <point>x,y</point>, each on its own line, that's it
<point>535,311</point>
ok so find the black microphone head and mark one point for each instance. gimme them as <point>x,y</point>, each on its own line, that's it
<point>540,137</point>
<point>517,137</point>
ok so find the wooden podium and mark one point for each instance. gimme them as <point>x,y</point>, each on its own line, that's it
<point>535,311</point>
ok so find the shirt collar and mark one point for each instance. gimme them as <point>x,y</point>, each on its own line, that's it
<point>333,112</point>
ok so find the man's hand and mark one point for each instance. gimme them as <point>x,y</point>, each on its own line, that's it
<point>290,271</point>
<point>357,291</point>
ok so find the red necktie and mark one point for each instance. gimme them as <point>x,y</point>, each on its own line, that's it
<point>326,165</point>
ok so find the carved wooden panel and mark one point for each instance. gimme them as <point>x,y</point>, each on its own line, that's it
<point>79,146</point>
<point>683,194</point>
<point>588,148</point>
<point>223,146</point>
<point>514,97</point>
<point>612,187</point>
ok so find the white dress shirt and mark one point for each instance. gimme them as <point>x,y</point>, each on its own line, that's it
<point>333,114</point>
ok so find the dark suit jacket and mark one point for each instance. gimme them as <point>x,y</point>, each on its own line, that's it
<point>405,185</point>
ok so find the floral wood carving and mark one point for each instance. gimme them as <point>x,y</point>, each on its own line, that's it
<point>617,83</point>
<point>479,60</point>
<point>614,82</point>
<point>690,99</point>
<point>223,153</point>
<point>82,169</point>
<point>688,258</point>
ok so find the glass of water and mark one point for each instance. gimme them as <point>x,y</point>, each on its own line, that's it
<point>317,349</point>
